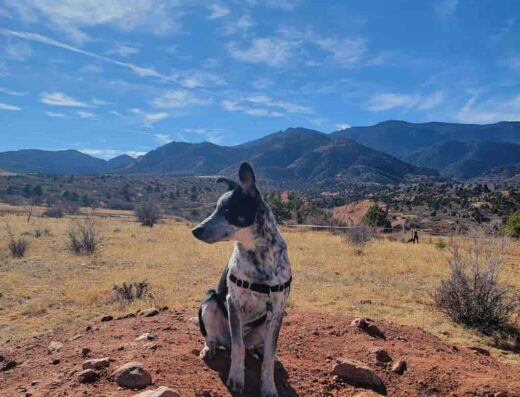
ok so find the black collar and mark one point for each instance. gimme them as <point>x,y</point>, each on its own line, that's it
<point>262,288</point>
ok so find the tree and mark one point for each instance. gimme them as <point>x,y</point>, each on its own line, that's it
<point>512,227</point>
<point>376,217</point>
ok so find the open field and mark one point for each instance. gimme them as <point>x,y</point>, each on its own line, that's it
<point>51,287</point>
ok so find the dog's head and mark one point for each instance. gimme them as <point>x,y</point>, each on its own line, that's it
<point>235,212</point>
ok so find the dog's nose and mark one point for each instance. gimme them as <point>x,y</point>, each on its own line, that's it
<point>197,232</point>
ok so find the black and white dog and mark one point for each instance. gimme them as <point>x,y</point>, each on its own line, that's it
<point>247,309</point>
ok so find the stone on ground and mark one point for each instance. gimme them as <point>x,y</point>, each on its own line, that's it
<point>162,391</point>
<point>132,376</point>
<point>97,363</point>
<point>87,376</point>
<point>358,374</point>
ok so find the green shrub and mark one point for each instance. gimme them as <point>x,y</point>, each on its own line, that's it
<point>512,228</point>
<point>376,217</point>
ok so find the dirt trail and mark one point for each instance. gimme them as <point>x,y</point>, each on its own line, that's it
<point>309,345</point>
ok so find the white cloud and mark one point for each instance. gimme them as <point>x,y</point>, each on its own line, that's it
<point>149,118</point>
<point>388,101</point>
<point>273,51</point>
<point>85,115</point>
<point>342,126</point>
<point>345,51</point>
<point>235,106</point>
<point>218,11</point>
<point>108,154</point>
<point>56,115</point>
<point>156,16</point>
<point>3,70</point>
<point>12,108</point>
<point>61,99</point>
<point>261,83</point>
<point>492,110</point>
<point>124,50</point>
<point>284,105</point>
<point>91,68</point>
<point>163,139</point>
<point>8,91</point>
<point>240,25</point>
<point>17,50</point>
<point>100,102</point>
<point>445,9</point>
<point>263,105</point>
<point>176,99</point>
<point>194,78</point>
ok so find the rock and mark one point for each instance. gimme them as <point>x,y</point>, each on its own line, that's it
<point>7,365</point>
<point>149,312</point>
<point>479,350</point>
<point>54,347</point>
<point>87,376</point>
<point>85,351</point>
<point>358,374</point>
<point>368,326</point>
<point>107,317</point>
<point>96,363</point>
<point>162,391</point>
<point>2,358</point>
<point>400,367</point>
<point>145,336</point>
<point>76,337</point>
<point>55,361</point>
<point>381,355</point>
<point>132,376</point>
<point>500,394</point>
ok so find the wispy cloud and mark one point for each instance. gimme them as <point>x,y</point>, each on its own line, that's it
<point>17,50</point>
<point>8,91</point>
<point>445,9</point>
<point>149,118</point>
<point>156,16</point>
<point>491,110</point>
<point>56,115</point>
<point>3,70</point>
<point>124,50</point>
<point>236,106</point>
<point>108,154</point>
<point>262,83</point>
<point>218,10</point>
<point>9,107</point>
<point>342,126</point>
<point>388,101</point>
<point>345,51</point>
<point>240,25</point>
<point>61,99</point>
<point>272,51</point>
<point>163,139</point>
<point>100,102</point>
<point>177,99</point>
<point>92,68</point>
<point>85,115</point>
<point>263,105</point>
<point>194,78</point>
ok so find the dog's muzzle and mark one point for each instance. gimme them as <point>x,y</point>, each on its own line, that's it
<point>197,232</point>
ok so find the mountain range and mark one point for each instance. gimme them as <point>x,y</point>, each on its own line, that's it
<point>387,152</point>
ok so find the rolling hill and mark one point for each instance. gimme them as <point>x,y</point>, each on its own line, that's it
<point>401,139</point>
<point>463,160</point>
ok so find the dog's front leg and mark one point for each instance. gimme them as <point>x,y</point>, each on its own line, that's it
<point>273,325</point>
<point>235,379</point>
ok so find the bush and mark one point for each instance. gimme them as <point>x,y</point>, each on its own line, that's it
<point>440,244</point>
<point>376,217</point>
<point>56,211</point>
<point>132,291</point>
<point>148,213</point>
<point>471,294</point>
<point>17,247</point>
<point>83,237</point>
<point>359,236</point>
<point>117,204</point>
<point>512,228</point>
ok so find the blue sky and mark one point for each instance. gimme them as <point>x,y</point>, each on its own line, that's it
<point>124,76</point>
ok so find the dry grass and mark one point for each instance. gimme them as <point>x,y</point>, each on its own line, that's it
<point>51,287</point>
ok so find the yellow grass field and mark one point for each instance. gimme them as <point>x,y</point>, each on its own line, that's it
<point>51,287</point>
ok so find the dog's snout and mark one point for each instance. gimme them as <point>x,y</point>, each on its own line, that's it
<point>197,232</point>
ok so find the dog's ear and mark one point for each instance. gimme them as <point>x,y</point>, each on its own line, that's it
<point>231,185</point>
<point>247,179</point>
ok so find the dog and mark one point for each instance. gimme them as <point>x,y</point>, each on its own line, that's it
<point>247,308</point>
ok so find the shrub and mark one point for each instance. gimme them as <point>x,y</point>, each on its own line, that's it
<point>129,292</point>
<point>148,213</point>
<point>83,237</point>
<point>471,295</point>
<point>376,217</point>
<point>117,204</point>
<point>440,244</point>
<point>17,247</point>
<point>512,228</point>
<point>56,211</point>
<point>359,236</point>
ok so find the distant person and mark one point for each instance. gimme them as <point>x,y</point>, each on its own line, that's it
<point>415,237</point>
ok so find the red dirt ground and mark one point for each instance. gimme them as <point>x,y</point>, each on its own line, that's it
<point>309,345</point>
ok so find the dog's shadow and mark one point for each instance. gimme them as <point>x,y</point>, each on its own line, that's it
<point>253,366</point>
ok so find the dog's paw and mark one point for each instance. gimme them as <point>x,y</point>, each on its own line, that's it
<point>269,393</point>
<point>207,353</point>
<point>235,385</point>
